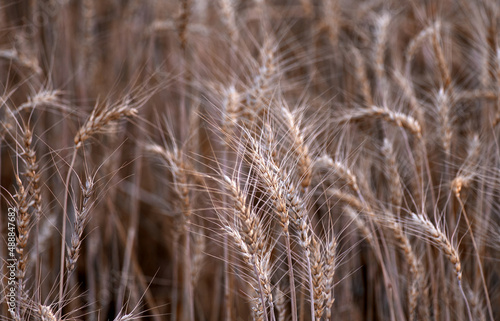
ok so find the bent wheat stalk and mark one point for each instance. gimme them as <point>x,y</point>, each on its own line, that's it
<point>97,122</point>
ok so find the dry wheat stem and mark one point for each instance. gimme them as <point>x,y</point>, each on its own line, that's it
<point>89,24</point>
<point>198,256</point>
<point>497,76</point>
<point>280,304</point>
<point>132,230</point>
<point>231,101</point>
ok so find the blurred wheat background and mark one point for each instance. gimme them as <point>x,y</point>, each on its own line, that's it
<point>251,160</point>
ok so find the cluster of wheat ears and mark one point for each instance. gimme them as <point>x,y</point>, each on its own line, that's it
<point>267,160</point>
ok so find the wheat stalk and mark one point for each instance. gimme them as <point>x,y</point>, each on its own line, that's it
<point>178,167</point>
<point>382,26</point>
<point>415,43</point>
<point>46,313</point>
<point>97,122</point>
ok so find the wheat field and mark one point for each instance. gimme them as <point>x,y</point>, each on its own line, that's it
<point>271,160</point>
